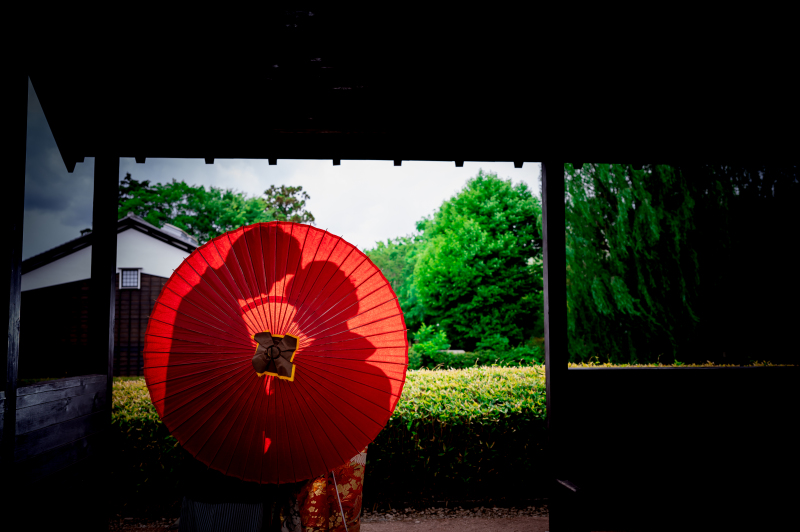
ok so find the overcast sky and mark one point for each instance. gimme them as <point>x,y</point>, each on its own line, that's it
<point>363,201</point>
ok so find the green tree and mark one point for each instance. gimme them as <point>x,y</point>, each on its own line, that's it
<point>396,259</point>
<point>479,273</point>
<point>632,268</point>
<point>202,213</point>
<point>288,204</point>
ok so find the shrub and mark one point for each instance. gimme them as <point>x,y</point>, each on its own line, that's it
<point>453,432</point>
<point>429,342</point>
<point>523,355</point>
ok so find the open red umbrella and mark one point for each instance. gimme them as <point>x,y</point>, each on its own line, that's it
<point>276,352</point>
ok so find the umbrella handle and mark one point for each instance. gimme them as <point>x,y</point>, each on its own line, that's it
<point>336,488</point>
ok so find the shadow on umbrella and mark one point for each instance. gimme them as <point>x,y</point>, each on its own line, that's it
<point>274,354</point>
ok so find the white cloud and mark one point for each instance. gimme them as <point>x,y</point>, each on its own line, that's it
<point>364,201</point>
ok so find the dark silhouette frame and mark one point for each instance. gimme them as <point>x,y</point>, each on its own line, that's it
<point>336,99</point>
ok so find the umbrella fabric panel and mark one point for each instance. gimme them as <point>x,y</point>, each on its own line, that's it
<point>348,367</point>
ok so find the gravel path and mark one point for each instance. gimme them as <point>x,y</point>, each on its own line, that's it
<point>532,519</point>
<point>458,519</point>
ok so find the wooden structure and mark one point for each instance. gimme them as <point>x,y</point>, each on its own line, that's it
<point>62,299</point>
<point>330,85</point>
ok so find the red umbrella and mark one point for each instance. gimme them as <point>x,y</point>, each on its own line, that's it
<point>276,352</point>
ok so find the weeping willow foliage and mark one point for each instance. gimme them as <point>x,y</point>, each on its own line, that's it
<point>632,272</point>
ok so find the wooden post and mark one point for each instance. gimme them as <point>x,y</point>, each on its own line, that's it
<point>555,324</point>
<point>13,209</point>
<point>102,293</point>
<point>104,266</point>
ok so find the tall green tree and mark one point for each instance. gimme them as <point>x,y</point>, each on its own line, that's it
<point>479,274</point>
<point>632,267</point>
<point>397,258</point>
<point>202,213</point>
<point>288,204</point>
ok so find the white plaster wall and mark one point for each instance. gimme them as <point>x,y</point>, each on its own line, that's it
<point>73,267</point>
<point>134,250</point>
<point>154,257</point>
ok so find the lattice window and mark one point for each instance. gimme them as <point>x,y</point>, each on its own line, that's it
<point>129,279</point>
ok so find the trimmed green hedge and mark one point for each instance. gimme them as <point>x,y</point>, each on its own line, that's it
<point>455,434</point>
<point>452,433</point>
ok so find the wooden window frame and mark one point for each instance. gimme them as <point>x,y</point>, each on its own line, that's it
<point>138,279</point>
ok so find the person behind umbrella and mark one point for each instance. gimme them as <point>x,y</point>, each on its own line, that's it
<point>331,502</point>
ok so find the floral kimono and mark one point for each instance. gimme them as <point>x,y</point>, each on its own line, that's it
<point>316,507</point>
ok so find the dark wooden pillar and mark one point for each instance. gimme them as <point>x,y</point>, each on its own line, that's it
<point>555,326</point>
<point>104,267</point>
<point>13,211</point>
<point>101,313</point>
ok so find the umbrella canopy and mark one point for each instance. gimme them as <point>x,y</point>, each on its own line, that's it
<point>276,352</point>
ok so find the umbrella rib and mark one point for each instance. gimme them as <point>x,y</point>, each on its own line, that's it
<point>301,415</point>
<point>346,295</point>
<point>193,331</point>
<point>312,368</point>
<point>270,398</point>
<point>321,428</point>
<point>348,420</point>
<point>354,328</point>
<point>219,405</point>
<point>307,308</point>
<point>267,283</point>
<point>311,263</point>
<point>306,354</point>
<point>231,333</point>
<point>309,350</point>
<point>247,456</point>
<point>239,408</point>
<point>224,263</point>
<point>261,309</point>
<point>357,302</point>
<point>233,316</point>
<point>195,305</point>
<point>251,404</point>
<point>275,275</point>
<point>346,278</point>
<point>233,297</point>
<point>178,339</point>
<point>319,364</point>
<point>285,268</point>
<point>294,278</point>
<point>194,361</point>
<point>317,331</point>
<point>286,428</point>
<point>185,365</point>
<point>195,374</point>
<point>264,272</point>
<point>302,305</point>
<point>353,339</point>
<point>300,383</point>
<point>172,412</point>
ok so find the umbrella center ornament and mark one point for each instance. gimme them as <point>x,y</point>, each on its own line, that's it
<point>274,355</point>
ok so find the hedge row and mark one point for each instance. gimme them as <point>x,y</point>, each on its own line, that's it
<point>458,434</point>
<point>453,432</point>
